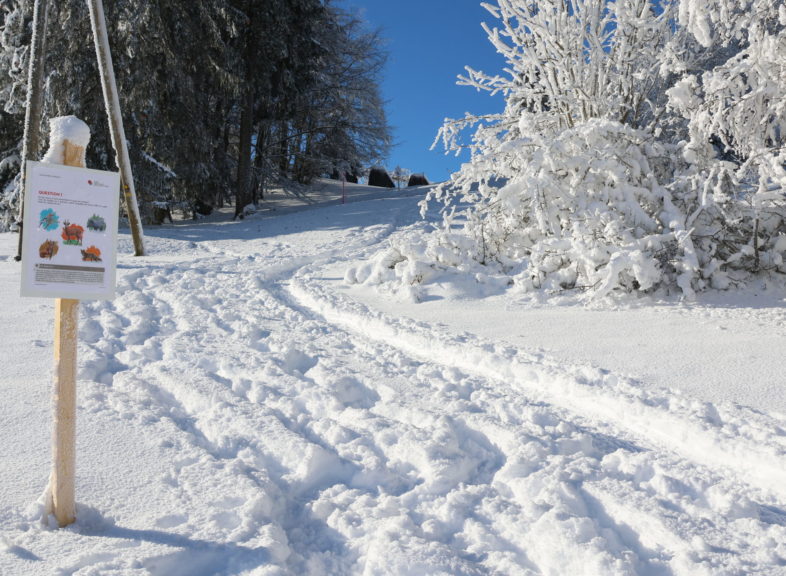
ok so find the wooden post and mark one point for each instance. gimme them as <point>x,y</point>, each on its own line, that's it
<point>62,479</point>
<point>112,102</point>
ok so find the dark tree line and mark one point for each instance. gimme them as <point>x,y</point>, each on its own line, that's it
<point>220,98</point>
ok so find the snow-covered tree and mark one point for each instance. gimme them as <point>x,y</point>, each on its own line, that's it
<point>731,93</point>
<point>202,117</point>
<point>563,189</point>
<point>641,146</point>
<point>176,93</point>
<point>15,34</point>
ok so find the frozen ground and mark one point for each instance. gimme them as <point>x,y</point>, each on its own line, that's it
<point>244,411</point>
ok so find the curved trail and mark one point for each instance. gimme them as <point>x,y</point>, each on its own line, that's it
<point>698,431</point>
<point>291,430</point>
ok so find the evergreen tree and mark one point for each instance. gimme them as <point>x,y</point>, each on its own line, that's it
<point>177,94</point>
<point>331,114</point>
<point>218,97</point>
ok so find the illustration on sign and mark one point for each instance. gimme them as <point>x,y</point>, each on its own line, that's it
<point>70,232</point>
<point>48,249</point>
<point>49,219</point>
<point>97,223</point>
<point>92,254</point>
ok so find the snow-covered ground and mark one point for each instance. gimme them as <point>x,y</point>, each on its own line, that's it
<point>243,410</point>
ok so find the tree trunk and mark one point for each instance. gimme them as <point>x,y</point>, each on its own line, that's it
<point>242,195</point>
<point>283,147</point>
<point>260,159</point>
<point>221,142</point>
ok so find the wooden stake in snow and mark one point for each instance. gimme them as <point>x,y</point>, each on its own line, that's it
<point>68,141</point>
<point>118,134</point>
<point>62,480</point>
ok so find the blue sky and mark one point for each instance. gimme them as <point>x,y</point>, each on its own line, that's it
<point>429,42</point>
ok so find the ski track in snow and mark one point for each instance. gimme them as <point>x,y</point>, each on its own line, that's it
<point>645,446</point>
<point>343,441</point>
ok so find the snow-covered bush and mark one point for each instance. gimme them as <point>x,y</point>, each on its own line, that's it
<point>9,199</point>
<point>586,210</point>
<point>731,95</point>
<point>641,146</point>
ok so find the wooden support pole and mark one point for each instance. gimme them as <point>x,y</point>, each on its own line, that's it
<point>63,476</point>
<point>62,480</point>
<point>116,130</point>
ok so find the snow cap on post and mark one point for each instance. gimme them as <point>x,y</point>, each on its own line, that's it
<point>62,129</point>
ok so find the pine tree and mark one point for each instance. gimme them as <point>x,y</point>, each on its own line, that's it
<point>202,117</point>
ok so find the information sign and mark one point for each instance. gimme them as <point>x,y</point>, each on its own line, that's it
<point>70,232</point>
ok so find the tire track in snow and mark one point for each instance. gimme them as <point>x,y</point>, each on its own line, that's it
<point>207,406</point>
<point>192,382</point>
<point>200,374</point>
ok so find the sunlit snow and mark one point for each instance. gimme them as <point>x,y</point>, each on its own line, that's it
<point>245,410</point>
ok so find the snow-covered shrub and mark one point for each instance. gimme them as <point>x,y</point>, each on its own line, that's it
<point>585,209</point>
<point>9,202</point>
<point>642,146</point>
<point>732,97</point>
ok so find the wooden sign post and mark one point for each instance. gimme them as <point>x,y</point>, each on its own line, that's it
<point>69,254</point>
<point>62,481</point>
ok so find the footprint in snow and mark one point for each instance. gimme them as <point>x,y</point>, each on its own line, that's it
<point>298,362</point>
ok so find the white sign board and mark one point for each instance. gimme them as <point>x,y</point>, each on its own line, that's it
<point>70,232</point>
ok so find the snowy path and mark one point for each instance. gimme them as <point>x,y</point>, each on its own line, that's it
<point>240,416</point>
<point>643,450</point>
